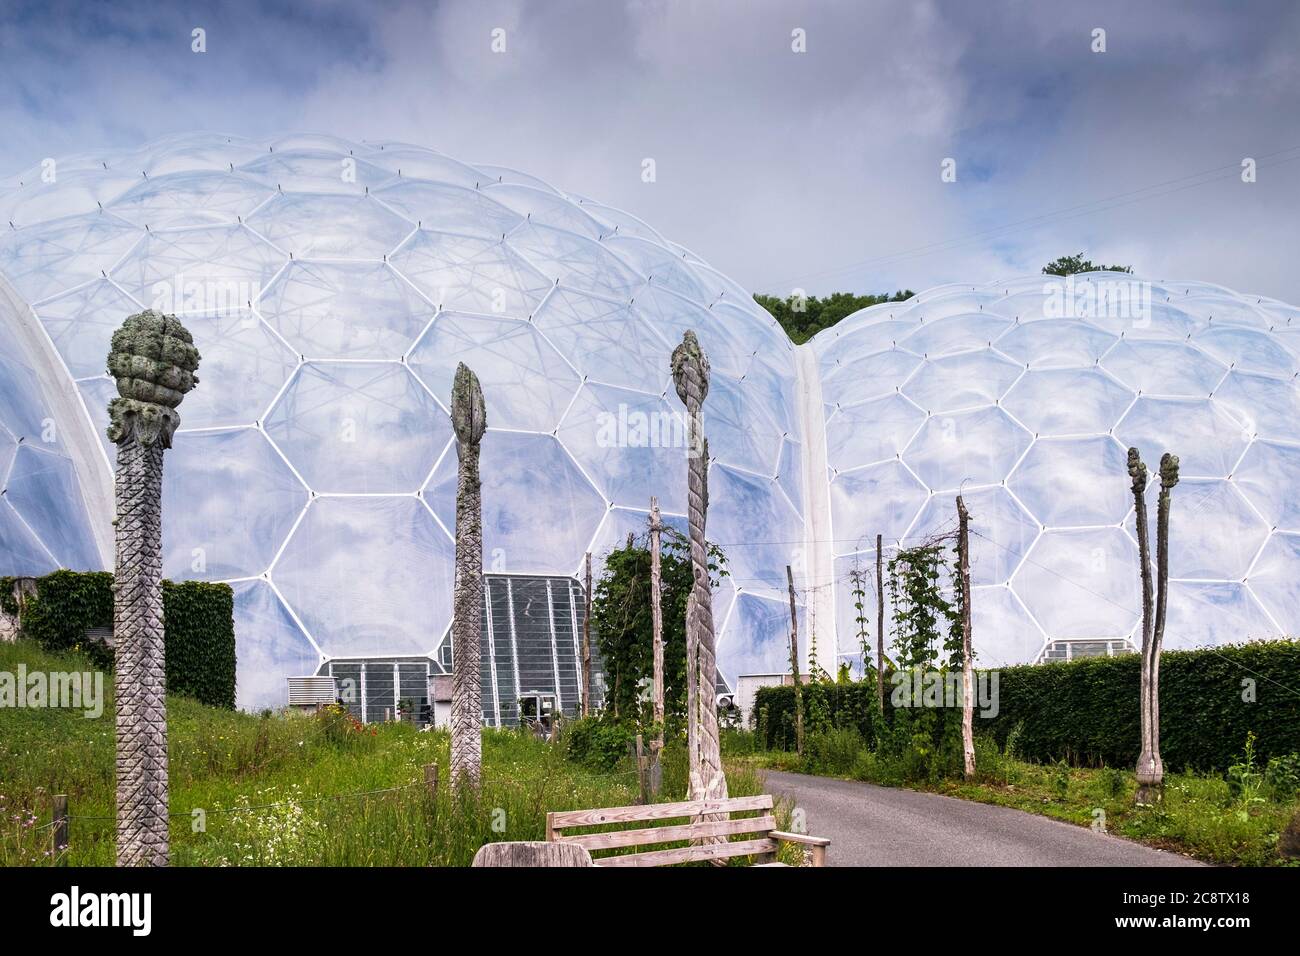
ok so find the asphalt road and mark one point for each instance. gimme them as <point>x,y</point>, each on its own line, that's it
<point>882,826</point>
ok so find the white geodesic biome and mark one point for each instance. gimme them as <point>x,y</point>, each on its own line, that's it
<point>332,287</point>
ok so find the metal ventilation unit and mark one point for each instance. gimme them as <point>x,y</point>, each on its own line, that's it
<point>308,693</point>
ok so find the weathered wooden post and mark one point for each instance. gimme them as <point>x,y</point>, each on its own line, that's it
<point>469,418</point>
<point>1150,768</point>
<point>967,655</point>
<point>586,642</point>
<point>794,665</point>
<point>1149,771</point>
<point>690,368</point>
<point>880,623</point>
<point>657,623</point>
<point>60,819</point>
<point>153,360</point>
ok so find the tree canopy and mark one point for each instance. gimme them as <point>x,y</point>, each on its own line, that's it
<point>804,317</point>
<point>1070,265</point>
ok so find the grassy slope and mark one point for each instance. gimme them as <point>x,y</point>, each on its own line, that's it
<point>222,761</point>
<point>1199,817</point>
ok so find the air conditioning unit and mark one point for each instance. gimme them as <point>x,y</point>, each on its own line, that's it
<point>308,693</point>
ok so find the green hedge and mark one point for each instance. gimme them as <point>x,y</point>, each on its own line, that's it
<point>1086,711</point>
<point>198,624</point>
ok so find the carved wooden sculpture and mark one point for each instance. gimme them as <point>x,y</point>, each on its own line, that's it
<point>1150,768</point>
<point>469,418</point>
<point>691,376</point>
<point>153,360</point>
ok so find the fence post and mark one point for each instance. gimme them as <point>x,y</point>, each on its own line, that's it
<point>431,780</point>
<point>60,827</point>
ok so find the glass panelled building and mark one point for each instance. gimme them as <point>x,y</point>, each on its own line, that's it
<point>332,287</point>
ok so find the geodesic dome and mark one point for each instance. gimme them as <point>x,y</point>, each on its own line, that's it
<point>332,287</point>
<point>1026,396</point>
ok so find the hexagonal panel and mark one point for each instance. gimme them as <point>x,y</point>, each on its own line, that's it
<point>956,333</point>
<point>526,384</point>
<point>671,315</point>
<point>443,207</point>
<point>1265,407</point>
<point>539,512</point>
<point>471,275</point>
<point>44,490</point>
<point>1071,482</point>
<point>1007,635</point>
<point>961,381</point>
<point>578,262</point>
<point>369,573</point>
<point>747,519</point>
<point>1250,350</point>
<point>190,198</point>
<point>757,640</point>
<point>213,269</point>
<point>1169,369</point>
<point>314,170</point>
<point>607,341</point>
<point>359,427</point>
<point>317,226</point>
<point>739,429</point>
<point>352,310</point>
<point>1206,441</point>
<point>20,552</point>
<point>879,499</point>
<point>1081,583</point>
<point>632,445</point>
<point>1001,531</point>
<point>81,324</point>
<point>1213,614</point>
<point>1273,580</point>
<point>1067,401</point>
<point>979,447</point>
<point>1213,532</point>
<point>1055,343</point>
<point>270,648</point>
<point>244,367</point>
<point>230,501</point>
<point>1268,476</point>
<point>42,261</point>
<point>870,431</point>
<point>870,377</point>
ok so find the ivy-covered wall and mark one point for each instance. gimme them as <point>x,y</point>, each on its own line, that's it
<point>1086,711</point>
<point>198,624</point>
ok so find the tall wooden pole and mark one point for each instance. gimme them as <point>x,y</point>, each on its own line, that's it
<point>1148,775</point>
<point>469,418</point>
<point>657,622</point>
<point>967,656</point>
<point>880,622</point>
<point>586,642</point>
<point>794,665</point>
<point>690,367</point>
<point>153,360</point>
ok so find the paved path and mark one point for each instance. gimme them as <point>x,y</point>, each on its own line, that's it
<point>882,826</point>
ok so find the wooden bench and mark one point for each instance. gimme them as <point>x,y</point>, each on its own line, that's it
<point>760,837</point>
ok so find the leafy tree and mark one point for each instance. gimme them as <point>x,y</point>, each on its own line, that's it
<point>620,616</point>
<point>802,318</point>
<point>1070,265</point>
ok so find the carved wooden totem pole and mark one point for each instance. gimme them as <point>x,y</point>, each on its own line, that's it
<point>153,360</point>
<point>691,376</point>
<point>1150,768</point>
<point>469,418</point>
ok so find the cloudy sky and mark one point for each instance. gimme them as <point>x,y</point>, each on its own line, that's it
<point>818,170</point>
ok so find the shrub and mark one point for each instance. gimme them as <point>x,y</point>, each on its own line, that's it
<point>833,751</point>
<point>1086,711</point>
<point>598,742</point>
<point>198,625</point>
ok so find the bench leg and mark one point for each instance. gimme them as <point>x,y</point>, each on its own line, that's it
<point>819,856</point>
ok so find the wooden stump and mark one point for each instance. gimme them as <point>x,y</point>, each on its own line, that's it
<point>532,854</point>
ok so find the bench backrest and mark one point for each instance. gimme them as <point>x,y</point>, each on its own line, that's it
<point>717,821</point>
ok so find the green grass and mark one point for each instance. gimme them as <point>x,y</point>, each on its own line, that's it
<point>1200,815</point>
<point>282,790</point>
